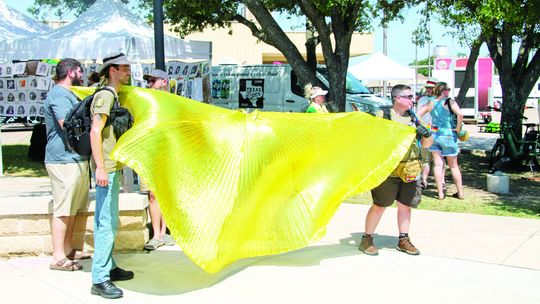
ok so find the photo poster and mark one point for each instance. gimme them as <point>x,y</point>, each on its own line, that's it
<point>19,68</point>
<point>189,78</point>
<point>88,69</point>
<point>137,75</point>
<point>6,70</point>
<point>23,96</point>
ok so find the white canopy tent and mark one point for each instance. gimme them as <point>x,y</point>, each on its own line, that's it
<point>106,27</point>
<point>379,67</point>
<point>15,25</point>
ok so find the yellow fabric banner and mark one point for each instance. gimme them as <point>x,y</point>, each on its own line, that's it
<point>233,185</point>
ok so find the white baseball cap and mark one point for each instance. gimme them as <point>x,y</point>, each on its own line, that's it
<point>318,92</point>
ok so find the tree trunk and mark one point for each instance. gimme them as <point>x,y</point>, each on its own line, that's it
<point>517,80</point>
<point>311,46</point>
<point>469,71</point>
<point>274,35</point>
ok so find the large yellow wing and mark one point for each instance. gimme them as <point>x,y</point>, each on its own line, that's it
<point>233,185</point>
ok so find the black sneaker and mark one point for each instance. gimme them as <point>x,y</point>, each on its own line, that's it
<point>107,290</point>
<point>119,274</point>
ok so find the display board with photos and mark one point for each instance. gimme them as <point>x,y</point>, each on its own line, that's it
<point>24,87</point>
<point>185,78</point>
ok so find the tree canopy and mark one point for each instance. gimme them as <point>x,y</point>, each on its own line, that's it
<point>500,23</point>
<point>330,22</point>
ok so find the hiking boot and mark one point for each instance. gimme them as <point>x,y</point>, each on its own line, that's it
<point>153,244</point>
<point>406,246</point>
<point>367,247</point>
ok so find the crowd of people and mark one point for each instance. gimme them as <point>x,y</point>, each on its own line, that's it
<point>69,171</point>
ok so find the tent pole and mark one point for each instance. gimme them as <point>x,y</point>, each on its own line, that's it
<point>1,157</point>
<point>158,35</point>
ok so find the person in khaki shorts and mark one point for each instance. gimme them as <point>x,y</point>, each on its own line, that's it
<point>407,193</point>
<point>68,171</point>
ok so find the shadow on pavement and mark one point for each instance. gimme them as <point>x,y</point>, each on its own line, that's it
<point>165,272</point>
<point>380,241</point>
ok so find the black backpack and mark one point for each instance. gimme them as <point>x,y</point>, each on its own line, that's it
<point>78,123</point>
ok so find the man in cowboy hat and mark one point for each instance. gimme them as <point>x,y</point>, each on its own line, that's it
<point>426,155</point>
<point>117,71</point>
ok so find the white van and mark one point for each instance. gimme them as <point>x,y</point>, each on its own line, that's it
<point>276,88</point>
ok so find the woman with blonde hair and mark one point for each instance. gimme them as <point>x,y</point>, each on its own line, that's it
<point>445,137</point>
<point>316,97</point>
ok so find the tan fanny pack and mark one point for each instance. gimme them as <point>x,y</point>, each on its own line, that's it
<point>408,171</point>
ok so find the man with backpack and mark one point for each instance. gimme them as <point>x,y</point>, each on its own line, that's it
<point>68,171</point>
<point>116,70</point>
<point>403,185</point>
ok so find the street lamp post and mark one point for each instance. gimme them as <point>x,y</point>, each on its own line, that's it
<point>158,35</point>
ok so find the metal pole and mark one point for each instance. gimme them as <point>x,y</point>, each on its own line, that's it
<point>158,35</point>
<point>1,159</point>
<point>385,37</point>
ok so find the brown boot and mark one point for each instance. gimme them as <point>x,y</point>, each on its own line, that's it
<point>367,247</point>
<point>406,246</point>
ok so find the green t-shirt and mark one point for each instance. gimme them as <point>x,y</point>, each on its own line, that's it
<point>102,104</point>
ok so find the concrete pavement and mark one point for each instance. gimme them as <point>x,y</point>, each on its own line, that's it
<point>465,259</point>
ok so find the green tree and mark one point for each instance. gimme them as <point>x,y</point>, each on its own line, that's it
<point>500,23</point>
<point>331,23</point>
<point>423,63</point>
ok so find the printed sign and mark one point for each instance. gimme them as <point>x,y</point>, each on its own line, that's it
<point>251,93</point>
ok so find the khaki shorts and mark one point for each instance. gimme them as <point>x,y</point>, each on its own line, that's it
<point>70,186</point>
<point>393,188</point>
<point>425,156</point>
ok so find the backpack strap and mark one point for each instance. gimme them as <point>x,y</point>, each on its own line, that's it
<point>447,103</point>
<point>115,103</point>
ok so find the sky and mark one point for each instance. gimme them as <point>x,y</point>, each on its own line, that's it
<point>399,42</point>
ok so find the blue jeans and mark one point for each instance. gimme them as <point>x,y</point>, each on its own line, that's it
<point>105,228</point>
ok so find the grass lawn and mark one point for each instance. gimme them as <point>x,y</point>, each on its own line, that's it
<point>522,201</point>
<point>16,162</point>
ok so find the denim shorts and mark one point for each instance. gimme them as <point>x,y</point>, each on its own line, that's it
<point>445,143</point>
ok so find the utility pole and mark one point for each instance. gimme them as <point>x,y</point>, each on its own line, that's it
<point>158,35</point>
<point>385,51</point>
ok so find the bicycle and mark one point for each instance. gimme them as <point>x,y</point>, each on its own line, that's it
<point>509,151</point>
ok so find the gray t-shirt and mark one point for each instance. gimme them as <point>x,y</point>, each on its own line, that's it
<point>59,102</point>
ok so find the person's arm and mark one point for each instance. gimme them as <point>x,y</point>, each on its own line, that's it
<point>98,123</point>
<point>60,109</point>
<point>426,142</point>
<point>425,109</point>
<point>457,110</point>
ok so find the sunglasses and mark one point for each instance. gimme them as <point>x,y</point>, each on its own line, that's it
<point>406,96</point>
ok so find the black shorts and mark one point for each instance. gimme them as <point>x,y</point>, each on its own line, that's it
<point>393,188</point>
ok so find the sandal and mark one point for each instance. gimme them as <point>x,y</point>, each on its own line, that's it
<point>78,255</point>
<point>456,195</point>
<point>66,264</point>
